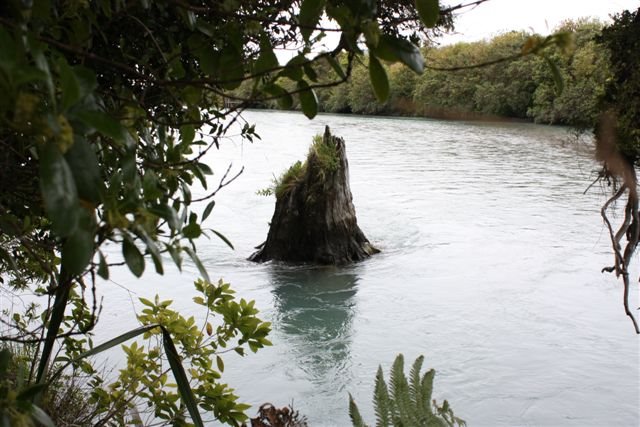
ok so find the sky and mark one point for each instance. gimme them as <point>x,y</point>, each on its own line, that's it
<point>499,16</point>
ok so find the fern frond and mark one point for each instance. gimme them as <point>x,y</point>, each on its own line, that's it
<point>354,413</point>
<point>427,389</point>
<point>381,401</point>
<point>409,416</point>
<point>403,411</point>
<point>394,385</point>
<point>406,402</point>
<point>397,373</point>
<point>446,416</point>
<point>416,390</point>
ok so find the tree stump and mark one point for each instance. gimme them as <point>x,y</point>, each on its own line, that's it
<point>314,219</point>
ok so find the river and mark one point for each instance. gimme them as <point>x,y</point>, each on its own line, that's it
<point>490,268</point>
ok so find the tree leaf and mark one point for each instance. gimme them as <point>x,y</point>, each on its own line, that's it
<point>146,302</point>
<point>114,342</point>
<point>231,67</point>
<point>557,76</point>
<point>4,254</point>
<point>310,72</point>
<point>198,263</point>
<point>86,78</point>
<point>284,98</point>
<point>167,213</point>
<point>79,247</point>
<point>224,239</point>
<point>58,191</point>
<point>69,85</point>
<point>83,162</point>
<point>285,102</point>
<point>310,12</point>
<point>394,49</point>
<point>132,256</point>
<point>103,268</point>
<point>8,53</point>
<point>267,60</point>
<point>106,125</point>
<point>43,65</point>
<point>153,250</point>
<point>429,12</point>
<point>308,100</point>
<point>208,209</point>
<point>293,68</point>
<point>208,59</point>
<point>192,231</point>
<point>336,67</point>
<point>31,391</point>
<point>175,255</point>
<point>220,363</point>
<point>28,75</point>
<point>204,168</point>
<point>187,134</point>
<point>41,417</point>
<point>379,79</point>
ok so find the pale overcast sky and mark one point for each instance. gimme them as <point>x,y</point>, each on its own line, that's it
<point>498,16</point>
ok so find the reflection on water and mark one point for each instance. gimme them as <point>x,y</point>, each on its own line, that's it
<point>314,310</point>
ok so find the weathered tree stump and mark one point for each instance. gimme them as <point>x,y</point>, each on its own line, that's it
<point>314,219</point>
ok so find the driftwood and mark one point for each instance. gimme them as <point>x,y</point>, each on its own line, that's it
<point>314,219</point>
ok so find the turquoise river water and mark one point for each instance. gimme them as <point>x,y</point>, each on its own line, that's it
<point>490,268</point>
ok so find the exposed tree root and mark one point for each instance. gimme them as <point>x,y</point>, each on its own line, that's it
<point>630,228</point>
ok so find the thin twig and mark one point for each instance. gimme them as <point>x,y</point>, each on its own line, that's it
<point>223,183</point>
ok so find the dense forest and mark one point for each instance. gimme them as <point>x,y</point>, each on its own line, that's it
<point>522,88</point>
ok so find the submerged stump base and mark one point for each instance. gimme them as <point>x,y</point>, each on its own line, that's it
<point>314,219</point>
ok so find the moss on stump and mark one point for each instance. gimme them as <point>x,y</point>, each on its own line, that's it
<point>314,219</point>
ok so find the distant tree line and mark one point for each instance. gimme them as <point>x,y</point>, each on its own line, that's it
<point>523,88</point>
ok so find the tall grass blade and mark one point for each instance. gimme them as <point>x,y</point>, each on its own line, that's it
<point>181,378</point>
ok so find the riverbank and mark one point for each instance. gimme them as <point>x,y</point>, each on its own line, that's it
<point>523,89</point>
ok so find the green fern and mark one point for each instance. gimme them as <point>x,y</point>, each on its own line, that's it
<point>381,400</point>
<point>354,413</point>
<point>406,402</point>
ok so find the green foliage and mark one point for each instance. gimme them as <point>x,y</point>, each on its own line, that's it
<point>107,112</point>
<point>289,179</point>
<point>521,78</point>
<point>325,154</point>
<point>584,72</point>
<point>361,98</point>
<point>618,142</point>
<point>177,340</point>
<point>429,11</point>
<point>622,96</point>
<point>16,405</point>
<point>406,401</point>
<point>379,79</point>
